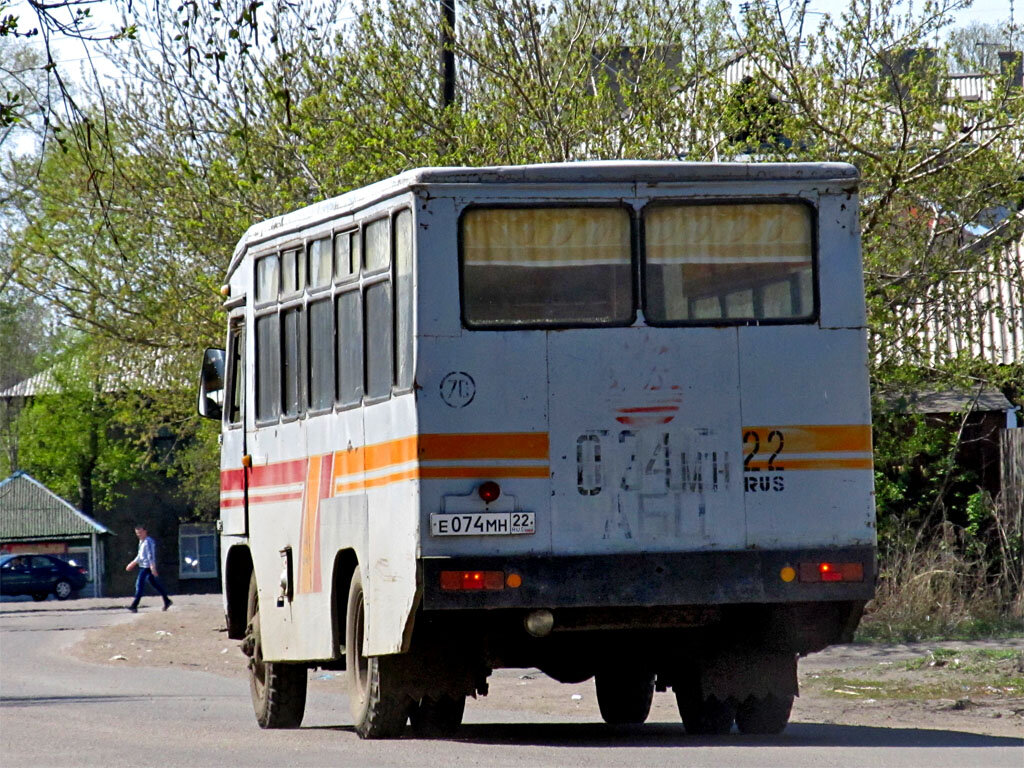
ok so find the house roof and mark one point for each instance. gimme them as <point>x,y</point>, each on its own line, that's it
<point>29,511</point>
<point>948,401</point>
<point>133,370</point>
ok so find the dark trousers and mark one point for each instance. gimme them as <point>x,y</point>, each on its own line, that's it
<point>140,584</point>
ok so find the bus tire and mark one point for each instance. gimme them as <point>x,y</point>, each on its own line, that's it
<point>764,715</point>
<point>378,710</point>
<point>705,717</point>
<point>432,718</point>
<point>624,696</point>
<point>278,689</point>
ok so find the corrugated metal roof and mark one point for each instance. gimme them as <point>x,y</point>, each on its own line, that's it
<point>948,401</point>
<point>31,511</point>
<point>137,370</point>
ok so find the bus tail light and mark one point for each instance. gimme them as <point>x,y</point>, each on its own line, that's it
<point>489,491</point>
<point>827,571</point>
<point>467,581</point>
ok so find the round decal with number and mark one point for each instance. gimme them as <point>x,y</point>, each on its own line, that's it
<point>458,389</point>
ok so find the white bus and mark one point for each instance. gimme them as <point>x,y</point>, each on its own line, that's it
<point>606,419</point>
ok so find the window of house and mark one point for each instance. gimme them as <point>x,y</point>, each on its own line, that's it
<point>546,267</point>
<point>197,551</point>
<point>744,262</point>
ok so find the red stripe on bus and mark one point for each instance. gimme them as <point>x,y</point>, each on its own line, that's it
<point>232,479</point>
<point>267,498</point>
<point>280,473</point>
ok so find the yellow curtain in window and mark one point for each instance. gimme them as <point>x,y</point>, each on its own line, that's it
<point>728,234</point>
<point>545,237</point>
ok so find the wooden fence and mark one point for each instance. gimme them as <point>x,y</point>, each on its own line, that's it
<point>1011,473</point>
<point>1011,508</point>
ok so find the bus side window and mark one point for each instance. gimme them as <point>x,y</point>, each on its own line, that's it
<point>379,333</point>
<point>403,300</point>
<point>268,367</point>
<point>349,336</point>
<point>378,314</point>
<point>293,361</point>
<point>235,373</point>
<point>321,355</point>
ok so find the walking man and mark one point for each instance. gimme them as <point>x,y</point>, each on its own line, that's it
<point>146,561</point>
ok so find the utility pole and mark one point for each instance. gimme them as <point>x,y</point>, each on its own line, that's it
<point>447,53</point>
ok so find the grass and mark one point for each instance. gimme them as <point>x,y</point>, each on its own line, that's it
<point>941,586</point>
<point>941,673</point>
<point>967,660</point>
<point>917,628</point>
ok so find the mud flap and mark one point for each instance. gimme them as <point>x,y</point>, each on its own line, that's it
<point>740,674</point>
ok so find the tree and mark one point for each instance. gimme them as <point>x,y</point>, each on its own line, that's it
<point>975,47</point>
<point>867,88</point>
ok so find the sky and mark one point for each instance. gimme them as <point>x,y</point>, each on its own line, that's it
<point>984,11</point>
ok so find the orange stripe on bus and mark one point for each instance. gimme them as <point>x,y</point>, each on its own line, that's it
<point>475,445</point>
<point>482,472</point>
<point>441,447</point>
<point>815,438</point>
<point>376,482</point>
<point>443,473</point>
<point>310,524</point>
<point>782,464</point>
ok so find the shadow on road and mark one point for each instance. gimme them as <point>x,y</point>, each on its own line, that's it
<point>44,701</point>
<point>65,608</point>
<point>669,735</point>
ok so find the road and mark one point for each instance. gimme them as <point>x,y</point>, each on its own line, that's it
<point>58,711</point>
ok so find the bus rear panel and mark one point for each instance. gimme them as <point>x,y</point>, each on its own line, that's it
<point>604,419</point>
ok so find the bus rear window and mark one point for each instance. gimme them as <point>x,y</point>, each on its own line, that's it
<point>728,262</point>
<point>546,267</point>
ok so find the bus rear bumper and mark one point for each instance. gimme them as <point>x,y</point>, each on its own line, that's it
<point>649,579</point>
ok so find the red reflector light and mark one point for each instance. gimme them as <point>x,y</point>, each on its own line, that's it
<point>489,491</point>
<point>465,581</point>
<point>816,572</point>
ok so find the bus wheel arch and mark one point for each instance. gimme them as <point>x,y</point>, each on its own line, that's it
<point>237,573</point>
<point>278,689</point>
<point>345,564</point>
<point>380,706</point>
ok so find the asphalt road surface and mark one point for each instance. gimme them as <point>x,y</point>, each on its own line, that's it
<point>58,711</point>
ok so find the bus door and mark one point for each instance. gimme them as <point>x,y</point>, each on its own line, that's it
<point>234,507</point>
<point>647,455</point>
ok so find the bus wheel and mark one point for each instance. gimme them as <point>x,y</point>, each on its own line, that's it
<point>705,717</point>
<point>378,710</point>
<point>278,689</point>
<point>624,695</point>
<point>437,717</point>
<point>764,715</point>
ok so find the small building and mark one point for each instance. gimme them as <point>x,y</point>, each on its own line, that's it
<point>33,519</point>
<point>982,417</point>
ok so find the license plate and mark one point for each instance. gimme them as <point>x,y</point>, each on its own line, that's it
<point>482,524</point>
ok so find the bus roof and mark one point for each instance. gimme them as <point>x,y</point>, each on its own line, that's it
<point>589,172</point>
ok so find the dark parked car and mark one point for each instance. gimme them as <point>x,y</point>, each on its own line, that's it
<point>39,575</point>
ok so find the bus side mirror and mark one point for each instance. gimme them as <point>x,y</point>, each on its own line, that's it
<point>211,384</point>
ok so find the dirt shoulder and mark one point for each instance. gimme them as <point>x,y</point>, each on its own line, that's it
<point>973,687</point>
